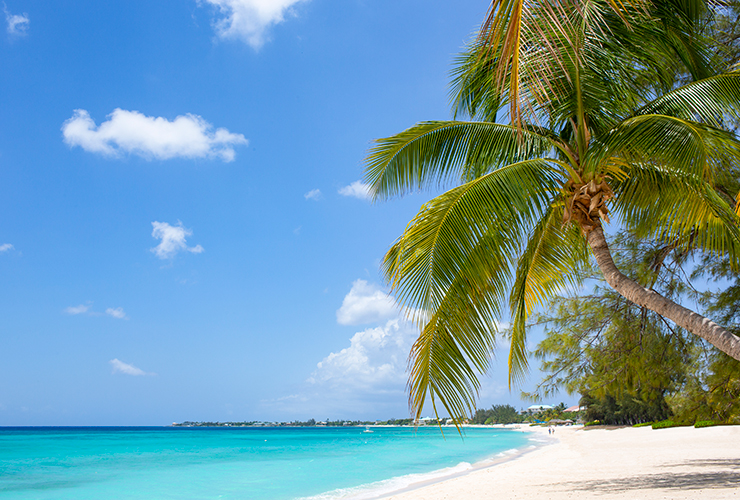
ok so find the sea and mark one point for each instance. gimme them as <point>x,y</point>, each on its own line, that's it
<point>244,463</point>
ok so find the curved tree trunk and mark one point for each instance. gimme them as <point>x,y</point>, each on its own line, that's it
<point>634,292</point>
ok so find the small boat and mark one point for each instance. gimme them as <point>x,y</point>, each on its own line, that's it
<point>367,429</point>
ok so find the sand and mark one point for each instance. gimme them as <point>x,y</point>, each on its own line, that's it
<point>634,463</point>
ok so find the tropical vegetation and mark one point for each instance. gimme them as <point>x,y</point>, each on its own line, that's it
<point>629,364</point>
<point>497,414</point>
<point>622,358</point>
<point>581,111</point>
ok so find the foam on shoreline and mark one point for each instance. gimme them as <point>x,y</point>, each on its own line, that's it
<point>410,482</point>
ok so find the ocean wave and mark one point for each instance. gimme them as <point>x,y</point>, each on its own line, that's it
<point>388,486</point>
<point>541,440</point>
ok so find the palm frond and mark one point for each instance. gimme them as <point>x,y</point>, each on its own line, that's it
<point>710,101</point>
<point>457,342</point>
<point>434,248</point>
<point>440,152</point>
<point>550,261</point>
<point>676,207</point>
<point>440,370</point>
<point>452,267</point>
<point>681,145</point>
<point>501,37</point>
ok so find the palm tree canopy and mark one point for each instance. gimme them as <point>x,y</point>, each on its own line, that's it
<point>600,120</point>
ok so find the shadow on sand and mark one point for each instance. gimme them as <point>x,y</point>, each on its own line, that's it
<point>725,475</point>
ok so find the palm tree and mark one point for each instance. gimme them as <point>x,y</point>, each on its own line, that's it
<point>599,122</point>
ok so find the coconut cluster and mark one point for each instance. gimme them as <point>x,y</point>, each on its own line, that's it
<point>585,203</point>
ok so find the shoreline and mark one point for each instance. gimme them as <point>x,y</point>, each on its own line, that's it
<point>623,463</point>
<point>494,461</point>
<point>410,483</point>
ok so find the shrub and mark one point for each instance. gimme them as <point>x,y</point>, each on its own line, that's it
<point>665,424</point>
<point>643,424</point>
<point>705,423</point>
<point>593,422</point>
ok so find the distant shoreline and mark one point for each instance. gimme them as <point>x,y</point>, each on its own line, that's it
<point>361,426</point>
<point>291,424</point>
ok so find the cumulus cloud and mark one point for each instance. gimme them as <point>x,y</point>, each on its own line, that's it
<point>81,309</point>
<point>366,303</point>
<point>17,24</point>
<point>314,194</point>
<point>249,20</point>
<point>127,369</point>
<point>173,240</point>
<point>357,189</point>
<point>366,379</point>
<point>116,313</point>
<point>375,359</point>
<point>187,136</point>
<point>5,247</point>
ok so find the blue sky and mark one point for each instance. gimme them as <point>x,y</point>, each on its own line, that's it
<point>184,234</point>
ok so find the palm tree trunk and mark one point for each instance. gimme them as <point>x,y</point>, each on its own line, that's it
<point>634,292</point>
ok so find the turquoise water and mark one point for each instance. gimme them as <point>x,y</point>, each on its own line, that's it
<point>235,463</point>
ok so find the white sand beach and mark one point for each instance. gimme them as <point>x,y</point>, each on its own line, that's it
<point>624,463</point>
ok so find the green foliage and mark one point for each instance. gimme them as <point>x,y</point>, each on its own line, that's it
<point>712,388</point>
<point>498,414</point>
<point>627,362</point>
<point>622,358</point>
<point>665,424</point>
<point>643,424</point>
<point>726,30</point>
<point>705,423</point>
<point>626,410</point>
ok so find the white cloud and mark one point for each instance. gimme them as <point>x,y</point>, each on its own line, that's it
<point>366,303</point>
<point>357,189</point>
<point>86,309</point>
<point>17,24</point>
<point>249,20</point>
<point>187,136</point>
<point>367,379</point>
<point>314,194</point>
<point>116,313</point>
<point>375,359</point>
<point>81,309</point>
<point>5,247</point>
<point>127,369</point>
<point>173,240</point>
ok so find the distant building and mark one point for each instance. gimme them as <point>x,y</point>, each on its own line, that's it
<point>575,408</point>
<point>539,408</point>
